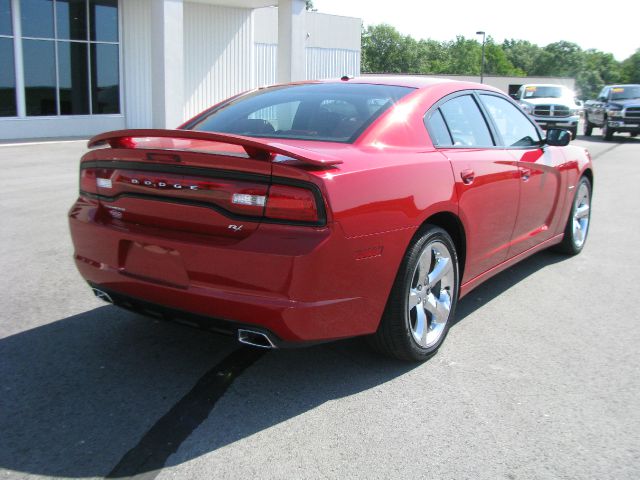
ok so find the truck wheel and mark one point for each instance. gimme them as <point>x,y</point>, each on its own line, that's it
<point>588,128</point>
<point>607,133</point>
<point>574,133</point>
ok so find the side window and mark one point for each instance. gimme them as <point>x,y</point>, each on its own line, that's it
<point>465,121</point>
<point>438,130</point>
<point>604,93</point>
<point>514,127</point>
<point>519,93</point>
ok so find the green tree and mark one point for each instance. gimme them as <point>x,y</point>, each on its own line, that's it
<point>385,50</point>
<point>497,62</point>
<point>559,59</point>
<point>599,69</point>
<point>522,54</point>
<point>309,5</point>
<point>465,56</point>
<point>433,57</point>
<point>631,68</point>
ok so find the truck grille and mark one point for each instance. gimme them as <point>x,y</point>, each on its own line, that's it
<point>552,111</point>
<point>633,112</point>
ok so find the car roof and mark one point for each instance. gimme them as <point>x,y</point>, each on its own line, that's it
<point>411,81</point>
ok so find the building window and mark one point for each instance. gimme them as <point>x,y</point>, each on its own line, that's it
<point>8,104</point>
<point>70,57</point>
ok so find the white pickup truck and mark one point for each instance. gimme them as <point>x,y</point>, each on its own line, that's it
<point>551,106</point>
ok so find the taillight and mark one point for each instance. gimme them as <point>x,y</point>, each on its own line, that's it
<point>292,204</point>
<point>237,196</point>
<point>92,179</point>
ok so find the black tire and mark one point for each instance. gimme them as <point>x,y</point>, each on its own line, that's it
<point>574,133</point>
<point>607,133</point>
<point>400,324</point>
<point>572,244</point>
<point>588,128</point>
<point>633,134</point>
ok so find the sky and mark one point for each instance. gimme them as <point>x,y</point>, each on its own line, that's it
<point>541,22</point>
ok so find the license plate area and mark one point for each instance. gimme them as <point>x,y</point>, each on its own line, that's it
<point>152,263</point>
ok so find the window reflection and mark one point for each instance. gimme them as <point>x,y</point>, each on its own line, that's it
<point>72,69</point>
<point>105,91</point>
<point>37,18</point>
<point>39,77</point>
<point>7,79</point>
<point>6,27</point>
<point>71,18</point>
<point>73,78</point>
<point>104,20</point>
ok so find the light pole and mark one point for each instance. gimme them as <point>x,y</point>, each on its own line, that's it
<point>482,67</point>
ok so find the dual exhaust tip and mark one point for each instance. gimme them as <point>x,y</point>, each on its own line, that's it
<point>253,338</point>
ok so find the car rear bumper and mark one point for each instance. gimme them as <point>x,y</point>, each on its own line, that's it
<point>300,284</point>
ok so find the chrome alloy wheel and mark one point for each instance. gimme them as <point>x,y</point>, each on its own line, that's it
<point>430,293</point>
<point>581,214</point>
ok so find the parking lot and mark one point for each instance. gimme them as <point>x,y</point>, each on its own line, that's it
<point>538,379</point>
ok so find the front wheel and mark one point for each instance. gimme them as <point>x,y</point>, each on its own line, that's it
<point>588,128</point>
<point>577,227</point>
<point>574,133</point>
<point>423,299</point>
<point>607,133</point>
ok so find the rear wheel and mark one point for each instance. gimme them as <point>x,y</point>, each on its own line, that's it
<point>577,227</point>
<point>423,299</point>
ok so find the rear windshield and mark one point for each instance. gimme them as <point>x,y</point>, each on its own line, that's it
<point>330,112</point>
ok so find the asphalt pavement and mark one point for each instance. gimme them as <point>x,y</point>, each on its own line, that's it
<point>538,379</point>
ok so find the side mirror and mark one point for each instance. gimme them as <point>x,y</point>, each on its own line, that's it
<point>557,137</point>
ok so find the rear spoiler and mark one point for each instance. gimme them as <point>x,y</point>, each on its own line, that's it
<point>256,148</point>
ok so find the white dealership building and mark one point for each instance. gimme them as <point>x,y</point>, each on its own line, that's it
<point>78,67</point>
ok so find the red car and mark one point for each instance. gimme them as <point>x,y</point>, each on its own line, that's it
<point>316,211</point>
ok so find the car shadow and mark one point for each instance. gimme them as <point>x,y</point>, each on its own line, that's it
<point>79,393</point>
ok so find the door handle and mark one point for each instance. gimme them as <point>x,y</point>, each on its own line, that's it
<point>525,173</point>
<point>467,176</point>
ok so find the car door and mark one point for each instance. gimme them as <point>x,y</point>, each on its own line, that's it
<point>540,178</point>
<point>487,180</point>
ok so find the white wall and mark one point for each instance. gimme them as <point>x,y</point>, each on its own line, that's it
<point>332,45</point>
<point>218,54</point>
<point>136,61</point>
<point>332,63</point>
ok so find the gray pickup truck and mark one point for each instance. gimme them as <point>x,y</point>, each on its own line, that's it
<point>551,106</point>
<point>617,109</point>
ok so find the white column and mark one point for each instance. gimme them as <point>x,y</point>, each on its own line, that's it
<point>167,63</point>
<point>17,59</point>
<point>292,36</point>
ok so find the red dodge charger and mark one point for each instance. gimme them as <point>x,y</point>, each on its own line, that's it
<point>316,211</point>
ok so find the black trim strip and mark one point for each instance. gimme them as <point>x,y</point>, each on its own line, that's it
<point>209,173</point>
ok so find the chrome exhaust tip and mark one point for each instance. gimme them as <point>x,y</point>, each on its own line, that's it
<point>254,338</point>
<point>102,295</point>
